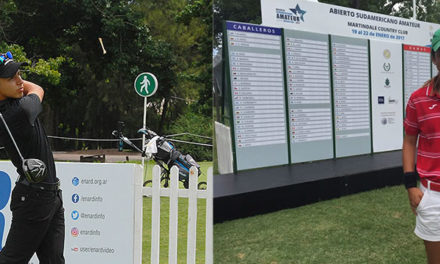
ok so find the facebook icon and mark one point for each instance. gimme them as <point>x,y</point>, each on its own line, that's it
<point>75,198</point>
<point>5,192</point>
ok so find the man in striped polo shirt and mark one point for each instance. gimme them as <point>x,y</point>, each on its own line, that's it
<point>422,123</point>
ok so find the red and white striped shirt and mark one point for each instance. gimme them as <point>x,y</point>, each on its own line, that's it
<point>423,119</point>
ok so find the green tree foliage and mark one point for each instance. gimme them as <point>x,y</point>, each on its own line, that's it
<point>47,71</point>
<point>242,11</point>
<point>198,14</point>
<point>186,27</point>
<point>198,125</point>
<point>87,91</point>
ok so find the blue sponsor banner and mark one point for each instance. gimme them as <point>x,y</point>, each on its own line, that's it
<point>253,28</point>
<point>5,192</point>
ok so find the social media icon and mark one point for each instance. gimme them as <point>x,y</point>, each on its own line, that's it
<point>74,232</point>
<point>75,181</point>
<point>75,215</point>
<point>75,198</point>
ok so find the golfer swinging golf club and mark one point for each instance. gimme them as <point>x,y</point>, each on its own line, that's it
<point>422,122</point>
<point>36,202</point>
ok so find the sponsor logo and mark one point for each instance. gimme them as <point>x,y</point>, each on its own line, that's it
<point>75,249</point>
<point>387,83</point>
<point>5,191</point>
<point>74,232</point>
<point>381,100</point>
<point>387,66</point>
<point>387,54</point>
<point>75,181</point>
<point>392,100</point>
<point>75,215</point>
<point>293,15</point>
<point>384,121</point>
<point>432,106</point>
<point>75,198</point>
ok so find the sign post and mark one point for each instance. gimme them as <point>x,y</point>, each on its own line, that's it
<point>145,85</point>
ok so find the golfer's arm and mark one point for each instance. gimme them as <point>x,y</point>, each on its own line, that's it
<point>409,152</point>
<point>32,88</point>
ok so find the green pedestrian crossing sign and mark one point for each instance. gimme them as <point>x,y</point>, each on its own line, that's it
<point>145,84</point>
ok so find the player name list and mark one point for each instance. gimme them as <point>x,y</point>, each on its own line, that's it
<point>417,69</point>
<point>257,89</point>
<point>308,82</point>
<point>351,90</point>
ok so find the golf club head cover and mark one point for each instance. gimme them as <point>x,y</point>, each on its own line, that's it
<point>34,170</point>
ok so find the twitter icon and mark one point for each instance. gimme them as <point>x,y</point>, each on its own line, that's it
<point>75,215</point>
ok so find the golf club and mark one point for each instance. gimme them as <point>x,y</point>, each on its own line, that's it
<point>119,135</point>
<point>34,169</point>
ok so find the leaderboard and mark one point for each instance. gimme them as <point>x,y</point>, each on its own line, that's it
<point>258,95</point>
<point>351,87</point>
<point>309,95</point>
<point>417,68</point>
<point>301,96</point>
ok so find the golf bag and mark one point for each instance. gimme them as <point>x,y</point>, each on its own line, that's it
<point>167,153</point>
<point>164,153</point>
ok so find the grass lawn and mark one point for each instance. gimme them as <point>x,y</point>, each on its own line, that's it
<point>371,227</point>
<point>183,220</point>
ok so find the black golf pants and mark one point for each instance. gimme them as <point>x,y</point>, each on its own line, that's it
<point>37,227</point>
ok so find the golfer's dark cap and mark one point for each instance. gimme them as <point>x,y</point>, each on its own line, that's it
<point>8,67</point>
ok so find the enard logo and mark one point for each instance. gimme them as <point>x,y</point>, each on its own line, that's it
<point>293,15</point>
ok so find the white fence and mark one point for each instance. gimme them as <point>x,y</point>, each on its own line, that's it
<point>174,193</point>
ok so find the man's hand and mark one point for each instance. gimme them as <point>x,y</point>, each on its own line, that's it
<point>415,196</point>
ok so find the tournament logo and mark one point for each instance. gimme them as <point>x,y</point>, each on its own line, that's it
<point>293,15</point>
<point>387,66</point>
<point>387,54</point>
